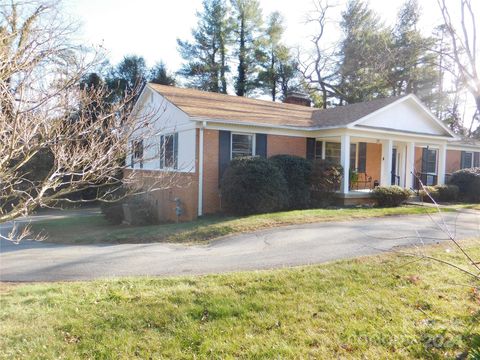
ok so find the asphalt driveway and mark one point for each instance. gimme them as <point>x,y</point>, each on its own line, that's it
<point>273,248</point>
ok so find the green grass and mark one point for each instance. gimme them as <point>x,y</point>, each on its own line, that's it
<point>94,229</point>
<point>378,307</point>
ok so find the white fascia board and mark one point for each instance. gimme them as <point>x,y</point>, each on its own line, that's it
<point>463,147</point>
<point>397,135</point>
<point>403,99</point>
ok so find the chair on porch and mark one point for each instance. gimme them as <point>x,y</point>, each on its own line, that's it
<point>362,180</point>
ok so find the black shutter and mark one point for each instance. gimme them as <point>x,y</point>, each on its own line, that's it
<point>476,159</point>
<point>318,149</point>
<point>362,157</point>
<point>175,151</point>
<point>462,160</point>
<point>224,150</point>
<point>162,151</point>
<point>310,148</point>
<point>424,160</point>
<point>261,145</point>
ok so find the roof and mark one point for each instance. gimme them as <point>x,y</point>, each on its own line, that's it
<point>214,106</point>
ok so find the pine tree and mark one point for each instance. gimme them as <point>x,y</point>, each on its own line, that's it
<point>248,21</point>
<point>206,56</point>
<point>160,75</point>
<point>278,68</point>
<point>364,54</point>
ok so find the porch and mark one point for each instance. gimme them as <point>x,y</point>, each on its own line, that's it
<point>383,161</point>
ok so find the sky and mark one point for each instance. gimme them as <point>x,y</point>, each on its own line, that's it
<point>150,28</point>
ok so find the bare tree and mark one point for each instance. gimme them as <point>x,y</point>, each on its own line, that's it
<point>463,35</point>
<point>317,67</point>
<point>44,110</point>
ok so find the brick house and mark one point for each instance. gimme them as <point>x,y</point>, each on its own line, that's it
<point>385,141</point>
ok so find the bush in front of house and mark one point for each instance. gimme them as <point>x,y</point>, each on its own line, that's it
<point>133,209</point>
<point>296,171</point>
<point>325,179</point>
<point>390,196</point>
<point>253,185</point>
<point>468,182</point>
<point>442,193</point>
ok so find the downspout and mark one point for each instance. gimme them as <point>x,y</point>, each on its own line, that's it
<point>200,169</point>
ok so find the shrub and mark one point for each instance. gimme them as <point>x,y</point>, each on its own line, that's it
<point>440,193</point>
<point>134,209</point>
<point>468,182</point>
<point>140,210</point>
<point>325,179</point>
<point>253,185</point>
<point>112,212</point>
<point>296,171</point>
<point>390,196</point>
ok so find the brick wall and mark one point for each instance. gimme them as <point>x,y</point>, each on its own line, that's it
<point>453,161</point>
<point>211,190</point>
<point>374,161</point>
<point>291,145</point>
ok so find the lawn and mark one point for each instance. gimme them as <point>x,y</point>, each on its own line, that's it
<point>379,307</point>
<point>94,229</point>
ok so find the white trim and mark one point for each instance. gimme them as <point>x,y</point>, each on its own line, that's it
<point>403,99</point>
<point>254,140</point>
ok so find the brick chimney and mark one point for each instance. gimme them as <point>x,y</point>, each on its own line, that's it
<point>298,98</point>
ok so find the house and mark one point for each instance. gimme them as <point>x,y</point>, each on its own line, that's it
<point>386,141</point>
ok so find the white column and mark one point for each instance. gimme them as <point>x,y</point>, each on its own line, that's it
<point>410,165</point>
<point>387,151</point>
<point>345,162</point>
<point>442,156</point>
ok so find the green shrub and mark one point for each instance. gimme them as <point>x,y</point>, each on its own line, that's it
<point>325,179</point>
<point>253,185</point>
<point>468,182</point>
<point>296,171</point>
<point>442,193</point>
<point>390,196</point>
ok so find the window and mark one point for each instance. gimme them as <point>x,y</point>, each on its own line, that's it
<point>242,145</point>
<point>332,152</point>
<point>467,161</point>
<point>137,153</point>
<point>430,161</point>
<point>169,151</point>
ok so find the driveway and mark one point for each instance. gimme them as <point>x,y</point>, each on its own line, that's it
<point>273,248</point>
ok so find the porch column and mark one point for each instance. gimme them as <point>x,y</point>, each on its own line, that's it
<point>442,156</point>
<point>410,165</point>
<point>387,151</point>
<point>345,162</point>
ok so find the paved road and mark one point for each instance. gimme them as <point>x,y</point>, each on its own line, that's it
<point>273,248</point>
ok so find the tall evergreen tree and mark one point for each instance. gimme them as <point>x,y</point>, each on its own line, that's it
<point>160,75</point>
<point>414,65</point>
<point>364,54</point>
<point>130,74</point>
<point>206,57</point>
<point>277,65</point>
<point>248,22</point>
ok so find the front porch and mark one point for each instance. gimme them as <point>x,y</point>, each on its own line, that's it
<point>373,160</point>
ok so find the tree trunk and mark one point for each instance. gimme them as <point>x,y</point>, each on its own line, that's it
<point>241,80</point>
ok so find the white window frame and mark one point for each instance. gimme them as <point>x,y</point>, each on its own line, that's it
<point>472,162</point>
<point>162,152</point>
<point>253,135</point>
